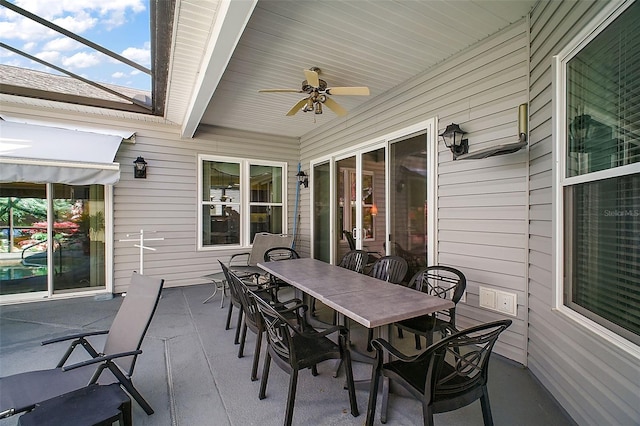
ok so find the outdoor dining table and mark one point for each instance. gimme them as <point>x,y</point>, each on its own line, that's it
<point>369,301</point>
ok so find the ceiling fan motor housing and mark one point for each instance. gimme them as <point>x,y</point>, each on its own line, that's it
<point>306,87</point>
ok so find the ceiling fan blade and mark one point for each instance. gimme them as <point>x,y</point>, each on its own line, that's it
<point>335,107</point>
<point>358,91</point>
<point>280,91</point>
<point>312,78</point>
<point>298,106</point>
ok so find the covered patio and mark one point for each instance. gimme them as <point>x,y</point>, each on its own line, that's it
<point>190,373</point>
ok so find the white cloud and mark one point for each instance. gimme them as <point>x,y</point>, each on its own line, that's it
<point>7,54</point>
<point>81,60</point>
<point>29,46</point>
<point>62,44</point>
<point>108,6</point>
<point>118,74</point>
<point>135,72</point>
<point>141,56</point>
<point>19,28</point>
<point>78,23</point>
<point>49,55</point>
<point>51,9</point>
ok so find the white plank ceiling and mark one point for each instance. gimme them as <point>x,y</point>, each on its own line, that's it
<point>378,44</point>
<point>374,43</point>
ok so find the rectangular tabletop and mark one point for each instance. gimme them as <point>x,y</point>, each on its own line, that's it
<point>366,300</point>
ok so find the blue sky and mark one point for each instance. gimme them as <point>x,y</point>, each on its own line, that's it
<point>121,26</point>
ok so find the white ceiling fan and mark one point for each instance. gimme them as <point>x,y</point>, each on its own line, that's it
<point>319,94</point>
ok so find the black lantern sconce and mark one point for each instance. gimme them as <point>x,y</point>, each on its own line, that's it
<point>303,179</point>
<point>452,138</point>
<point>140,168</point>
<point>580,126</point>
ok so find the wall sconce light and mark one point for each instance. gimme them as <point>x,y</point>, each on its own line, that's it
<point>140,168</point>
<point>374,210</point>
<point>452,138</point>
<point>303,179</point>
<point>579,127</point>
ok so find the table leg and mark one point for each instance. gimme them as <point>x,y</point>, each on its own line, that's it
<point>217,286</point>
<point>215,290</point>
<point>384,333</point>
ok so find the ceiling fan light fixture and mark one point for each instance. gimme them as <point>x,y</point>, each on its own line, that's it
<point>319,94</point>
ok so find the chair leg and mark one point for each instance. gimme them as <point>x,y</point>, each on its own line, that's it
<point>314,370</point>
<point>486,408</point>
<point>291,399</point>
<point>238,326</point>
<point>373,396</point>
<point>312,307</point>
<point>429,338</point>
<point>427,414</point>
<point>228,323</point>
<point>338,368</point>
<point>128,386</point>
<point>351,387</point>
<point>265,376</point>
<point>256,357</point>
<point>369,339</point>
<point>243,337</point>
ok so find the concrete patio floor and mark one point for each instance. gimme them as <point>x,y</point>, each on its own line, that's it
<point>190,373</point>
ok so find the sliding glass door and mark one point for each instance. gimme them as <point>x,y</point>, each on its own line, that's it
<point>409,201</point>
<point>23,238</point>
<point>52,239</point>
<point>379,198</point>
<point>360,202</point>
<point>322,211</point>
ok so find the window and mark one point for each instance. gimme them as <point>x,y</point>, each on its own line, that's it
<point>601,177</point>
<point>238,199</point>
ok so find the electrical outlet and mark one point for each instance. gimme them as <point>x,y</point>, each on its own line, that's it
<point>506,302</point>
<point>487,298</point>
<point>498,300</point>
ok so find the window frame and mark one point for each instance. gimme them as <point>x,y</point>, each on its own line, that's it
<point>560,180</point>
<point>245,199</point>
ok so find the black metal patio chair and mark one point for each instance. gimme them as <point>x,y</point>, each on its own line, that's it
<point>252,319</point>
<point>294,347</point>
<point>391,269</point>
<point>448,375</point>
<point>355,260</point>
<point>275,254</point>
<point>441,281</point>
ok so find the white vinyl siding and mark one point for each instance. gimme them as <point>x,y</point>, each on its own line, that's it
<point>167,200</point>
<point>596,383</point>
<point>482,217</point>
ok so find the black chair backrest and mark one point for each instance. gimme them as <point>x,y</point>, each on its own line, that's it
<point>233,291</point>
<point>460,362</point>
<point>389,268</point>
<point>278,330</point>
<point>251,315</point>
<point>355,260</point>
<point>280,253</point>
<point>352,241</point>
<point>441,281</point>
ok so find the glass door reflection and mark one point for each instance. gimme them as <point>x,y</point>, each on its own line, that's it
<point>322,212</point>
<point>408,200</point>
